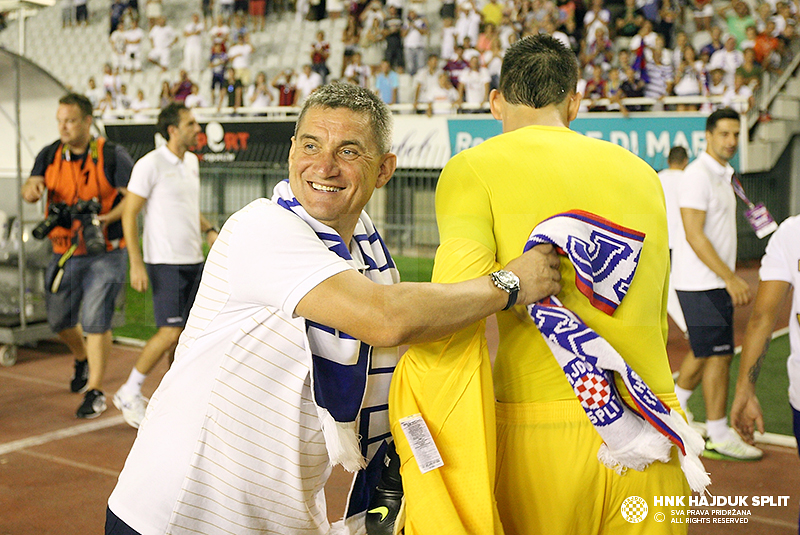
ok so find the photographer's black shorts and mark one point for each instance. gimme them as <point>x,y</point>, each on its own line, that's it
<point>174,289</point>
<point>709,321</point>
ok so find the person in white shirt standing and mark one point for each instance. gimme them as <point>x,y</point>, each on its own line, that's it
<point>708,287</point>
<point>414,33</point>
<point>133,47</point>
<point>670,178</point>
<point>162,37</point>
<point>193,46</point>
<point>473,85</point>
<point>307,82</point>
<point>779,273</point>
<point>166,185</point>
<point>239,57</point>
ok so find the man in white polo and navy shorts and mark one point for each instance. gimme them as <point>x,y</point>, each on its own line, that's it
<point>704,276</point>
<point>166,185</point>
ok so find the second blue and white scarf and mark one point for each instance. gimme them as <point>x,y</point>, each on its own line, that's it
<point>605,257</point>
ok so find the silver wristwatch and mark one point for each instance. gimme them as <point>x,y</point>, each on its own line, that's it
<point>508,282</point>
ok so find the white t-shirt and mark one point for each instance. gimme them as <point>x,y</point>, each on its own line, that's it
<point>195,40</point>
<point>474,83</point>
<point>236,403</point>
<point>172,211</point>
<point>219,34</point>
<point>414,38</point>
<point>162,37</point>
<point>706,185</point>
<point>781,262</point>
<point>427,82</point>
<point>134,38</point>
<point>670,180</point>
<point>241,55</point>
<point>306,84</point>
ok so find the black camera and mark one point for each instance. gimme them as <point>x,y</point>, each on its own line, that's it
<point>61,214</point>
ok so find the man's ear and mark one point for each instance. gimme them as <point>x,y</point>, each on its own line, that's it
<point>496,104</point>
<point>573,107</point>
<point>386,170</point>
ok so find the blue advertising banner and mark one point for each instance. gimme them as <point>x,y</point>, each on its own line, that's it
<point>650,137</point>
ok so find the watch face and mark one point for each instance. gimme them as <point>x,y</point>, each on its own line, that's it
<point>507,279</point>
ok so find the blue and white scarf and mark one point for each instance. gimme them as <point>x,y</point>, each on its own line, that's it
<point>605,257</point>
<point>349,378</point>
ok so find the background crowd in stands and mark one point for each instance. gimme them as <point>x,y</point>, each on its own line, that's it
<point>650,48</point>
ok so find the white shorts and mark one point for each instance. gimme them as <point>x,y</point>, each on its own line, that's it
<point>160,56</point>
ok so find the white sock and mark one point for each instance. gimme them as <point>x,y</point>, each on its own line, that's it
<point>134,383</point>
<point>718,430</point>
<point>683,396</point>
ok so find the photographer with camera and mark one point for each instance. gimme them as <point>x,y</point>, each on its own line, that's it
<point>85,179</point>
<point>165,184</point>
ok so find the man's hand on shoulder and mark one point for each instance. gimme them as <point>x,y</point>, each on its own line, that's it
<point>33,189</point>
<point>538,273</point>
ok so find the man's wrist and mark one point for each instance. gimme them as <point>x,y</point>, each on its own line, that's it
<point>211,229</point>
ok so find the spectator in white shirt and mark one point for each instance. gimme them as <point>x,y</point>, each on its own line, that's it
<point>94,93</point>
<point>258,94</point>
<point>307,82</point>
<point>162,37</point>
<point>193,60</point>
<point>473,85</point>
<point>239,57</point>
<point>596,17</point>
<point>138,104</point>
<point>443,96</point>
<point>414,32</point>
<point>357,72</point>
<point>133,47</point>
<point>195,99</point>
<point>728,59</point>
<point>426,80</point>
<point>220,32</point>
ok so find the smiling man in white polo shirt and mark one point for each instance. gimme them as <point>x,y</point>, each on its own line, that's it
<point>704,276</point>
<point>166,185</point>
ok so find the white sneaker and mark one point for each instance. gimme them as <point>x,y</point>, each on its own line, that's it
<point>133,407</point>
<point>732,449</point>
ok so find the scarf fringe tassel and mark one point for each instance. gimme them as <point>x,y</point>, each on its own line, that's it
<point>342,442</point>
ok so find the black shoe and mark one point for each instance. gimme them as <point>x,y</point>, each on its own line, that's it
<point>94,403</point>
<point>81,375</point>
<point>386,515</point>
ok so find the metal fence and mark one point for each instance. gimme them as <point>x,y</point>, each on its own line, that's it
<point>403,210</point>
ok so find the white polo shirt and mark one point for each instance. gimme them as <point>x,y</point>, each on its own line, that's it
<point>245,444</point>
<point>172,211</point>
<point>670,180</point>
<point>781,262</point>
<point>706,186</point>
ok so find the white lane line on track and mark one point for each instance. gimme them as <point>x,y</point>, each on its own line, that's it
<point>74,464</point>
<point>58,434</point>
<point>36,380</point>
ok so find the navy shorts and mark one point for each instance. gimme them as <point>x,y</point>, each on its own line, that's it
<point>115,526</point>
<point>796,422</point>
<point>174,289</point>
<point>709,318</point>
<point>87,292</point>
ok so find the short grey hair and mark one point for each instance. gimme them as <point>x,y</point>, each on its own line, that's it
<point>358,99</point>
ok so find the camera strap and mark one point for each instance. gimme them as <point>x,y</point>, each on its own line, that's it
<point>61,262</point>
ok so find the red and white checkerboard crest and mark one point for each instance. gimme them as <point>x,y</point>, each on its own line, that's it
<point>593,391</point>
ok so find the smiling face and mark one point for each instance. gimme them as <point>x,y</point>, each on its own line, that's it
<point>334,166</point>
